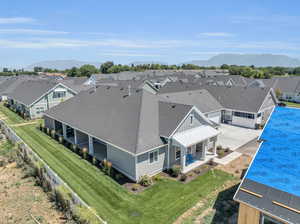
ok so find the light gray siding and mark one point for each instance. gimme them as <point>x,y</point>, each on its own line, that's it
<point>268,102</point>
<point>49,122</point>
<point>144,167</point>
<point>122,161</point>
<point>48,101</point>
<point>197,121</point>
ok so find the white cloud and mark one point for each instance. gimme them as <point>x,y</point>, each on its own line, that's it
<point>31,31</point>
<point>216,34</point>
<point>16,20</point>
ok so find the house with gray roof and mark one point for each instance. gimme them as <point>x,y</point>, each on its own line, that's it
<point>241,106</point>
<point>33,97</point>
<point>139,132</point>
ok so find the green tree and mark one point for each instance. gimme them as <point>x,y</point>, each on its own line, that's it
<point>87,70</point>
<point>105,66</point>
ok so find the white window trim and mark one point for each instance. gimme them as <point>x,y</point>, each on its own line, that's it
<point>177,148</point>
<point>154,161</point>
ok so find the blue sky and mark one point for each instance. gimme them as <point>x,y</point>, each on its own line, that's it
<point>126,31</point>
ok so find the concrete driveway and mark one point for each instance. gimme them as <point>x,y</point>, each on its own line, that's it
<point>234,137</point>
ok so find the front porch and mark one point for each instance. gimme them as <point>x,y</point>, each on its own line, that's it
<point>195,147</point>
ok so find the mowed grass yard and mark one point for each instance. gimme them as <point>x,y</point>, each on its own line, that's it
<point>291,104</point>
<point>161,203</point>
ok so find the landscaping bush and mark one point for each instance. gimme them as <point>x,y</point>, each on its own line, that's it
<point>83,215</point>
<point>119,176</point>
<point>183,177</point>
<point>145,181</point>
<point>107,167</point>
<point>175,171</point>
<point>197,171</point>
<point>94,161</point>
<point>74,148</point>
<point>135,187</point>
<point>62,197</point>
<point>61,139</point>
<point>85,153</point>
<point>53,133</point>
<point>42,126</point>
<point>219,147</point>
<point>158,177</point>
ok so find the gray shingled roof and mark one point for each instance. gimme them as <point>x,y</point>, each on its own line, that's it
<point>201,98</point>
<point>76,83</point>
<point>288,84</point>
<point>30,90</point>
<point>170,115</point>
<point>239,98</point>
<point>130,122</point>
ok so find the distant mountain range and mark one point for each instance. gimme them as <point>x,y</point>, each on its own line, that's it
<point>258,60</point>
<point>147,62</point>
<point>61,64</point>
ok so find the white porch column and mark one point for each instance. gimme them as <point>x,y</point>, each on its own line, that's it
<point>53,124</point>
<point>205,146</point>
<point>91,145</point>
<point>183,157</point>
<point>75,137</point>
<point>215,146</point>
<point>64,130</point>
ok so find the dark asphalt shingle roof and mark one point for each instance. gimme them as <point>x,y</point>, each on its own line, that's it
<point>130,122</point>
<point>29,91</point>
<point>236,97</point>
<point>201,98</point>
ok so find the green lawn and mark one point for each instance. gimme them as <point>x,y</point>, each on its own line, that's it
<point>291,104</point>
<point>161,203</point>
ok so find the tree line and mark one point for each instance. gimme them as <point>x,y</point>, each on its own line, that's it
<point>109,67</point>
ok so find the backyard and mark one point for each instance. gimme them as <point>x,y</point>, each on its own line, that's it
<point>163,202</point>
<point>291,104</point>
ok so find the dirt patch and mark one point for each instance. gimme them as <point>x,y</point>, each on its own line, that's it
<point>238,166</point>
<point>217,206</point>
<point>21,201</point>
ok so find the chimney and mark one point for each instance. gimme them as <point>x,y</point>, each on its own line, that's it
<point>129,90</point>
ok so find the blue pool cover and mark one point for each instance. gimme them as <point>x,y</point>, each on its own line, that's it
<point>277,163</point>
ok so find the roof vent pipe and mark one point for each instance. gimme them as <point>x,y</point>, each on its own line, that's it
<point>129,90</point>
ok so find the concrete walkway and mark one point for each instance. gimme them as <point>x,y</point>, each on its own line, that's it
<point>23,124</point>
<point>227,159</point>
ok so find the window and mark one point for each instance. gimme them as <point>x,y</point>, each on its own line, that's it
<point>177,153</point>
<point>153,156</point>
<point>39,110</point>
<point>191,119</point>
<point>59,94</point>
<point>244,115</point>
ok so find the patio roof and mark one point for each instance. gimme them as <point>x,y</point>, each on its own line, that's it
<point>195,135</point>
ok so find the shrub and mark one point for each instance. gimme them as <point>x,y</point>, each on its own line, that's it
<point>107,167</point>
<point>219,147</point>
<point>145,181</point>
<point>94,161</point>
<point>61,139</point>
<point>183,177</point>
<point>74,148</point>
<point>135,187</point>
<point>221,153</point>
<point>175,171</point>
<point>119,176</point>
<point>158,177</point>
<point>83,215</point>
<point>62,197</point>
<point>53,133</point>
<point>84,153</point>
<point>197,171</point>
<point>42,126</point>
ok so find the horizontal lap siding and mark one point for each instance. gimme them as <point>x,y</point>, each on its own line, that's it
<point>144,167</point>
<point>122,161</point>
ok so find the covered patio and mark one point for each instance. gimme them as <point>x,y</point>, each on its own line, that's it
<point>197,146</point>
